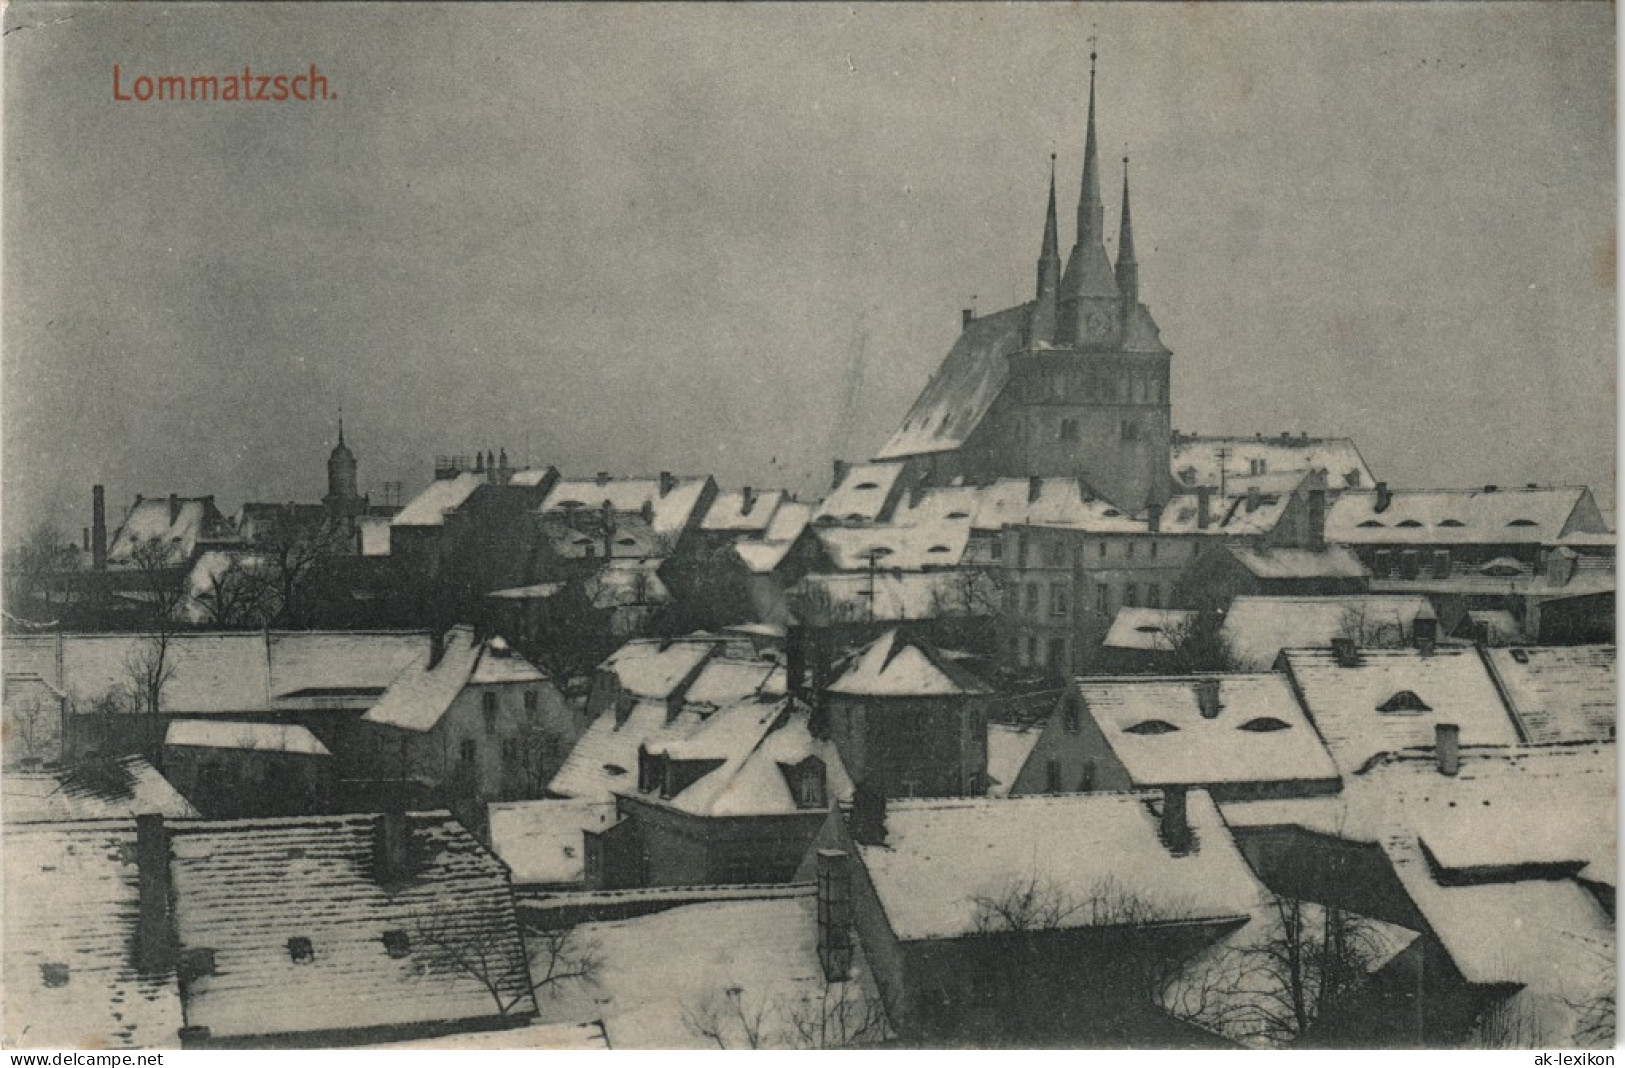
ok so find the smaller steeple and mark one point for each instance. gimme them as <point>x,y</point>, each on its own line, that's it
<point>1128,268</point>
<point>1049,270</point>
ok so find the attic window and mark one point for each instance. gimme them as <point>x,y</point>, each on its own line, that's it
<point>867,485</point>
<point>1264,725</point>
<point>855,517</point>
<point>397,944</point>
<point>1451,523</point>
<point>626,541</point>
<point>570,504</point>
<point>1151,726</point>
<point>1111,513</point>
<point>614,769</point>
<point>1148,628</point>
<point>1372,523</point>
<point>300,951</point>
<point>1404,701</point>
<point>1408,523</point>
<point>938,549</point>
<point>1521,655</point>
<point>958,515</point>
<point>54,974</point>
<point>1523,523</point>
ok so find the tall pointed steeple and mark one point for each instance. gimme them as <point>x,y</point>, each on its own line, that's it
<point>1049,270</point>
<point>1089,291</point>
<point>1128,268</point>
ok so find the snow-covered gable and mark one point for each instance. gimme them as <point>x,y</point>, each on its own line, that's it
<point>895,666</point>
<point>1050,502</point>
<point>285,738</point>
<point>429,508</point>
<point>1158,732</point>
<point>919,547</point>
<point>862,496</point>
<point>1489,516</point>
<point>673,504</point>
<point>941,855</point>
<point>653,668</point>
<point>120,789</point>
<point>373,531</point>
<point>1147,629</point>
<point>422,693</point>
<point>1258,628</point>
<point>1393,699</point>
<point>754,744</point>
<point>245,889</point>
<point>742,511</point>
<point>540,841</point>
<point>181,524</point>
<point>1560,693</point>
<point>1008,748</point>
<point>1197,461</point>
<point>72,900</point>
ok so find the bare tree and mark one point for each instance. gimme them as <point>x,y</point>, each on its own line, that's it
<point>32,730</point>
<point>237,596</point>
<point>729,1019</point>
<point>1368,632</point>
<point>148,667</point>
<point>159,582</point>
<point>1198,645</point>
<point>36,567</point>
<point>837,1015</point>
<point>546,961</point>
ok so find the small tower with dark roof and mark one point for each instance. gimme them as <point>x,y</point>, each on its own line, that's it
<point>343,499</point>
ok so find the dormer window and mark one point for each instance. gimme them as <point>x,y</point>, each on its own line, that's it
<point>809,784</point>
<point>1264,725</point>
<point>867,485</point>
<point>1404,701</point>
<point>1408,523</point>
<point>397,944</point>
<point>1523,523</point>
<point>1151,726</point>
<point>54,974</point>
<point>300,951</point>
<point>1451,523</point>
<point>1371,523</point>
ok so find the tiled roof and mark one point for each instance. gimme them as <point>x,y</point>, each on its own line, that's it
<point>540,841</point>
<point>429,508</point>
<point>244,889</point>
<point>1346,703</point>
<point>1195,461</point>
<point>1156,729</point>
<point>237,734</point>
<point>861,495</point>
<point>421,694</point>
<point>895,666</point>
<point>940,856</point>
<point>728,511</point>
<point>71,906</point>
<point>670,512</point>
<point>964,387</point>
<point>1560,693</point>
<point>1531,516</point>
<point>1147,629</point>
<point>1258,628</point>
<point>118,789</point>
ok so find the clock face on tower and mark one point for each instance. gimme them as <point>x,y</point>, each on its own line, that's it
<point>1097,325</point>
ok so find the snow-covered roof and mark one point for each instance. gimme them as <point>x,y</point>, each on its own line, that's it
<point>310,662</point>
<point>531,477</point>
<point>1232,515</point>
<point>374,532</point>
<point>1559,693</point>
<point>1008,747</point>
<point>756,744</point>
<point>429,508</point>
<point>1196,461</point>
<point>765,555</point>
<point>742,510</point>
<point>724,680</point>
<point>1392,699</point>
<point>118,789</point>
<point>245,889</point>
<point>180,528</point>
<point>901,596</point>
<point>672,504</point>
<point>963,389</point>
<point>1157,731</point>
<point>861,496</point>
<point>1258,628</point>
<point>896,666</point>
<point>548,1036</point>
<point>898,548</point>
<point>660,969</point>
<point>1147,629</point>
<point>1050,502</point>
<point>1530,516</point>
<point>1334,561</point>
<point>422,693</point>
<point>1501,627</point>
<point>72,902</point>
<point>653,668</point>
<point>540,841</point>
<point>239,734</point>
<point>940,856</point>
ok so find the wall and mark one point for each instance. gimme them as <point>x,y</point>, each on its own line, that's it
<point>910,746</point>
<point>236,783</point>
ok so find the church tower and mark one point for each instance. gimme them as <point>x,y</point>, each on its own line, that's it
<point>343,500</point>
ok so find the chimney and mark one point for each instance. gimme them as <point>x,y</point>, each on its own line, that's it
<point>603,478</point>
<point>85,538</point>
<point>1384,497</point>
<point>1204,507</point>
<point>1175,825</point>
<point>1317,519</point>
<point>98,528</point>
<point>155,936</point>
<point>747,500</point>
<point>606,523</point>
<point>966,317</point>
<point>1346,652</point>
<point>1491,488</point>
<point>795,659</point>
<point>668,482</point>
<point>835,914</point>
<point>1207,698</point>
<point>1035,488</point>
<point>479,462</point>
<point>1253,499</point>
<point>391,847</point>
<point>1447,747</point>
<point>490,468</point>
<point>1560,566</point>
<point>840,474</point>
<point>1153,517</point>
<point>437,647</point>
<point>174,509</point>
<point>1425,631</point>
<point>867,819</point>
<point>647,511</point>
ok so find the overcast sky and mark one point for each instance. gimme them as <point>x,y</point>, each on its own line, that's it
<point>640,238</point>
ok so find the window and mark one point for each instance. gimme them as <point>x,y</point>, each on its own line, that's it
<point>300,951</point>
<point>1264,725</point>
<point>1151,549</point>
<point>1102,553</point>
<point>1073,714</point>
<point>54,974</point>
<point>1153,596</point>
<point>1057,653</point>
<point>488,701</point>
<point>1151,726</point>
<point>397,944</point>
<point>532,700</point>
<point>1032,598</point>
<point>1404,701</point>
<point>1058,605</point>
<point>1032,649</point>
<point>1101,599</point>
<point>1441,563</point>
<point>1130,430</point>
<point>1057,553</point>
<point>470,751</point>
<point>1383,564</point>
<point>1131,595</point>
<point>1012,599</point>
<point>1052,777</point>
<point>1128,549</point>
<point>810,784</point>
<point>1069,430</point>
<point>490,721</point>
<point>1021,549</point>
<point>998,549</point>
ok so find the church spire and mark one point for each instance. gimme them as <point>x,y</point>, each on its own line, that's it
<point>1091,212</point>
<point>1089,293</point>
<point>1049,270</point>
<point>1128,269</point>
<point>341,426</point>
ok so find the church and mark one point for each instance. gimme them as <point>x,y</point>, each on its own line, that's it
<point>1073,383</point>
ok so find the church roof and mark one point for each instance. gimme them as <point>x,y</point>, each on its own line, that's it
<point>953,403</point>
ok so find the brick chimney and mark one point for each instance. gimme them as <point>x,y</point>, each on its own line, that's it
<point>1153,517</point>
<point>391,847</point>
<point>1447,747</point>
<point>437,647</point>
<point>174,508</point>
<point>668,482</point>
<point>1035,488</point>
<point>1254,499</point>
<point>835,914</point>
<point>1316,534</point>
<point>1207,698</point>
<point>1175,824</point>
<point>155,933</point>
<point>747,500</point>
<point>602,478</point>
<point>840,474</point>
<point>1425,631</point>
<point>606,523</point>
<point>1204,507</point>
<point>966,317</point>
<point>1384,498</point>
<point>1560,566</point>
<point>98,528</point>
<point>1346,652</point>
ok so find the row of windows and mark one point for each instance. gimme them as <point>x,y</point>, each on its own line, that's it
<point>1100,385</point>
<point>1060,598</point>
<point>1055,550</point>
